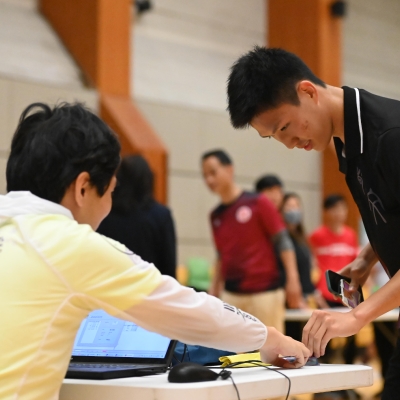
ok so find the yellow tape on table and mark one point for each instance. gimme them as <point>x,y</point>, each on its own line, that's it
<point>227,360</point>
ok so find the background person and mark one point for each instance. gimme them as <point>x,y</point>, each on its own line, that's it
<point>137,220</point>
<point>272,187</point>
<point>246,226</point>
<point>334,244</point>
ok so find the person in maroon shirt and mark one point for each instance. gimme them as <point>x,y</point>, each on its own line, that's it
<point>246,227</point>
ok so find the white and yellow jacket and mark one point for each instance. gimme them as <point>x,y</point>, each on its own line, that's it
<point>54,271</point>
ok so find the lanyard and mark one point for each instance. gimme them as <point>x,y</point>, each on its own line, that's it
<point>359,120</point>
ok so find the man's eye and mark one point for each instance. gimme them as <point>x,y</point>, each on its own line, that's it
<point>284,128</point>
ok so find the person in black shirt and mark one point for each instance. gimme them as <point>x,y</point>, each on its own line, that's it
<point>278,95</point>
<point>137,220</point>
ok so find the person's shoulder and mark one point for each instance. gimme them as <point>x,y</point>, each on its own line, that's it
<point>349,231</point>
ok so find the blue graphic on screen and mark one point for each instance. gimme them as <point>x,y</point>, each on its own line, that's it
<point>101,335</point>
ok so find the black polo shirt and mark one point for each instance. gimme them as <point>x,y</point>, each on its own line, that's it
<point>370,159</point>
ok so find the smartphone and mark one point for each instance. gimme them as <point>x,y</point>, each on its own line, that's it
<point>339,286</point>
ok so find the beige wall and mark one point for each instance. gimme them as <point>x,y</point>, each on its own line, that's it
<point>15,96</point>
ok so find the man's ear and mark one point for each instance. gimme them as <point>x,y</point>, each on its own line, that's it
<point>82,184</point>
<point>307,88</point>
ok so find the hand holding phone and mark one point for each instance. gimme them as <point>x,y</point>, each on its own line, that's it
<point>339,286</point>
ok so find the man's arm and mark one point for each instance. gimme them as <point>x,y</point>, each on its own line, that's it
<point>293,289</point>
<point>197,318</point>
<point>325,325</point>
<point>360,268</point>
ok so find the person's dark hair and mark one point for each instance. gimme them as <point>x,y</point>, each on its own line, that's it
<point>262,80</point>
<point>135,185</point>
<point>222,156</point>
<point>52,146</point>
<point>333,199</point>
<point>299,233</point>
<point>267,182</point>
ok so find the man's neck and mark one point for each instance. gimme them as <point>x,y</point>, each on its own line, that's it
<point>336,105</point>
<point>336,228</point>
<point>231,194</point>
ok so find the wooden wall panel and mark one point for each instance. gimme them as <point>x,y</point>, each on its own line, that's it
<point>137,137</point>
<point>308,29</point>
<point>98,33</point>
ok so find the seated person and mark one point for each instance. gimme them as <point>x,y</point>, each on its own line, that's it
<point>55,269</point>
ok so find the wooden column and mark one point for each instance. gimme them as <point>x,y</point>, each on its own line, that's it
<point>97,33</point>
<point>308,29</point>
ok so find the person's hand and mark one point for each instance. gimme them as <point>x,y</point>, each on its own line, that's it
<point>278,345</point>
<point>325,325</point>
<point>294,296</point>
<point>358,271</point>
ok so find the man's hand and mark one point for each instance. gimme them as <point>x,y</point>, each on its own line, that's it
<point>325,325</point>
<point>360,268</point>
<point>294,296</point>
<point>277,345</point>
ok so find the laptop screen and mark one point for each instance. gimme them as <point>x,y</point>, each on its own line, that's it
<point>101,335</point>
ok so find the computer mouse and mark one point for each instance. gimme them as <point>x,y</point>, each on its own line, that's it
<point>191,372</point>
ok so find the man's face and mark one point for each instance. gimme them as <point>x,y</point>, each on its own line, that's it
<point>305,126</point>
<point>338,213</point>
<point>218,177</point>
<point>96,207</point>
<point>275,195</point>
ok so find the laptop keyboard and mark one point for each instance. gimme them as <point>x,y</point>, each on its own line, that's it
<point>108,366</point>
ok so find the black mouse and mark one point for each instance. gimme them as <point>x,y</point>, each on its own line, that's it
<point>191,372</point>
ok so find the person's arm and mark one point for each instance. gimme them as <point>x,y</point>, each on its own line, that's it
<point>325,325</point>
<point>198,318</point>
<point>360,268</point>
<point>217,282</point>
<point>293,289</point>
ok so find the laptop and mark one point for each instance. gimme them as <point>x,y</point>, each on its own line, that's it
<point>106,347</point>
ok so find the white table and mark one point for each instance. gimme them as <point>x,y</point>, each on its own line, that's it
<point>304,315</point>
<point>252,383</point>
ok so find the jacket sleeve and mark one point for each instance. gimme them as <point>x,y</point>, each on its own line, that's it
<point>181,313</point>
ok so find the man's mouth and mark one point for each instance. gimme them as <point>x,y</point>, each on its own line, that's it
<point>308,145</point>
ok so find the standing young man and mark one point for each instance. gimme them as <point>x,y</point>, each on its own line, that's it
<point>278,95</point>
<point>55,269</point>
<point>246,226</point>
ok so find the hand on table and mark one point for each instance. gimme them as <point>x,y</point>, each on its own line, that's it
<point>277,345</point>
<point>325,325</point>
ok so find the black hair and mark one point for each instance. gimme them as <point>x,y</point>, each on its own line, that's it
<point>222,156</point>
<point>333,199</point>
<point>52,146</point>
<point>267,182</point>
<point>135,185</point>
<point>262,80</point>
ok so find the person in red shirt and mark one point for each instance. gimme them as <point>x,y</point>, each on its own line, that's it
<point>334,244</point>
<point>246,226</point>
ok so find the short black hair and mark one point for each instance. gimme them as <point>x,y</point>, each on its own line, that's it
<point>135,185</point>
<point>333,199</point>
<point>52,146</point>
<point>266,182</point>
<point>262,80</point>
<point>222,156</point>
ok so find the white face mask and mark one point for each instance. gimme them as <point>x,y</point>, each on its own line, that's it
<point>293,216</point>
